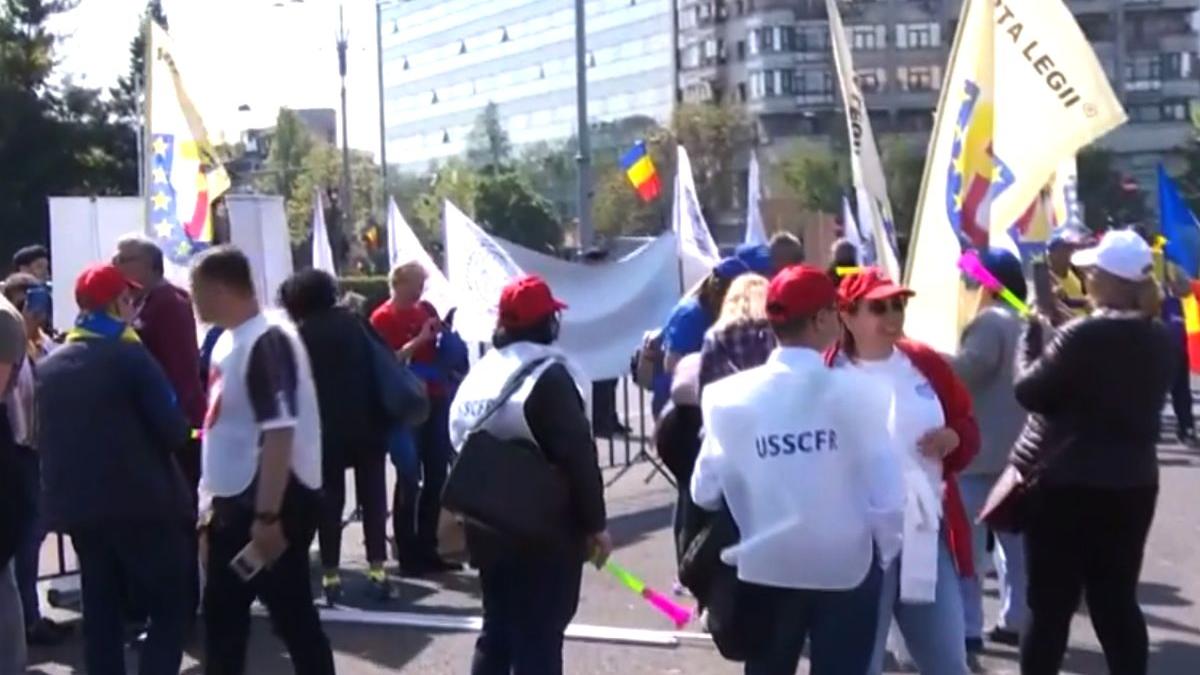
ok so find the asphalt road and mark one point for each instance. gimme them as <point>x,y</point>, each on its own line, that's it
<point>640,520</point>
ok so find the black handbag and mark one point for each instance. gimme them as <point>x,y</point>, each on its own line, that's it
<point>400,396</point>
<point>508,487</point>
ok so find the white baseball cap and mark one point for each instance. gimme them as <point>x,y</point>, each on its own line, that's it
<point>1122,253</point>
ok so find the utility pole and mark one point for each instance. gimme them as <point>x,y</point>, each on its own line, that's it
<point>383,167</point>
<point>342,43</point>
<point>584,158</point>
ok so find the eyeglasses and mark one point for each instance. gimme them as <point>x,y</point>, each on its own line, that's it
<point>881,307</point>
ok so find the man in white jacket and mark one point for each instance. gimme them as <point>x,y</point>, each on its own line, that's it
<point>798,452</point>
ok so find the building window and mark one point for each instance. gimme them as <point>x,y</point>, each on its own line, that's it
<point>770,84</point>
<point>814,85</point>
<point>866,37</point>
<point>918,78</point>
<point>871,80</point>
<point>1167,111</point>
<point>741,50</point>
<point>812,39</point>
<point>741,92</point>
<point>918,36</point>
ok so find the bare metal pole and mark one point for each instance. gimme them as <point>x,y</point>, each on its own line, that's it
<point>345,201</point>
<point>383,165</point>
<point>584,158</point>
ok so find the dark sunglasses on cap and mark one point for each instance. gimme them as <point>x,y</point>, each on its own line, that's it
<point>881,307</point>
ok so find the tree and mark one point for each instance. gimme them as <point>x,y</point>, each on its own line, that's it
<point>1109,197</point>
<point>291,145</point>
<point>815,180</point>
<point>55,138</point>
<point>714,135</point>
<point>454,181</point>
<point>508,207</point>
<point>128,94</point>
<point>903,169</point>
<point>488,145</point>
<point>1189,180</point>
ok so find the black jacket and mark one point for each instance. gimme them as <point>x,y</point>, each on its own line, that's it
<point>1095,395</point>
<point>108,430</point>
<point>336,341</point>
<point>13,500</point>
<point>556,417</point>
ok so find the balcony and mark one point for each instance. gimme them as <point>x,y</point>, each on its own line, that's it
<point>1157,5</point>
<point>1088,7</point>
<point>1144,138</point>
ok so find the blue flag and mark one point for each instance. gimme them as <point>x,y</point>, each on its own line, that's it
<point>1179,226</point>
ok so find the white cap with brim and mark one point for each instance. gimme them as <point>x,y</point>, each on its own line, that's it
<point>1122,253</point>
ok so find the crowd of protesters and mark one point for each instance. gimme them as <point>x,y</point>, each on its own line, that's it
<point>838,481</point>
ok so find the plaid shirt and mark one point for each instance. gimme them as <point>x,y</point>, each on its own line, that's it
<point>734,348</point>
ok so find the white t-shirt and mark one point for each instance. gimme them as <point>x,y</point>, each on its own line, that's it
<point>260,380</point>
<point>799,452</point>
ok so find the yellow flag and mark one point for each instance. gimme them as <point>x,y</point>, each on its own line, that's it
<point>183,174</point>
<point>1023,92</point>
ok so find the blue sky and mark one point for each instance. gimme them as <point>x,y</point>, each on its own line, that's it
<point>236,52</point>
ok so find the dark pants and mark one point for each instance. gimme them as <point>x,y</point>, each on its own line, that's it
<point>30,549</point>
<point>840,624</point>
<point>149,561</point>
<point>283,588</point>
<point>1087,542</point>
<point>415,507</point>
<point>1181,388</point>
<point>189,463</point>
<point>527,605</point>
<point>604,408</point>
<point>370,486</point>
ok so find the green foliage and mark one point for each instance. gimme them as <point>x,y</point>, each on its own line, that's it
<point>1105,200</point>
<point>714,135</point>
<point>508,207</point>
<point>815,180</point>
<point>291,147</point>
<point>55,138</point>
<point>488,146</point>
<point>903,169</point>
<point>1189,180</point>
<point>374,289</point>
<point>454,181</point>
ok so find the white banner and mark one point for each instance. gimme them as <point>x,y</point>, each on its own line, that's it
<point>756,231</point>
<point>697,250</point>
<point>611,304</point>
<point>322,250</point>
<point>404,246</point>
<point>85,230</point>
<point>870,187</point>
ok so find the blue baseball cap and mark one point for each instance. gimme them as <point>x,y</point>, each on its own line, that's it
<point>757,258</point>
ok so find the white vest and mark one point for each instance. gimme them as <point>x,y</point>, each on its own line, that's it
<point>232,435</point>
<point>800,455</point>
<point>487,378</point>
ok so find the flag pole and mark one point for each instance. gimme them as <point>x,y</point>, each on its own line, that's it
<point>915,227</point>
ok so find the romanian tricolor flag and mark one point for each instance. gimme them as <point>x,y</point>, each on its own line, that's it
<point>640,169</point>
<point>1191,323</point>
<point>184,176</point>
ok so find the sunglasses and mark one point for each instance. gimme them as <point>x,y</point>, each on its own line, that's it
<point>881,307</point>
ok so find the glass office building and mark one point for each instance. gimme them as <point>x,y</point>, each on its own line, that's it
<point>445,60</point>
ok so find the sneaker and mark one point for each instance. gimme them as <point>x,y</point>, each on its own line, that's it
<point>437,564</point>
<point>381,588</point>
<point>331,588</point>
<point>1004,636</point>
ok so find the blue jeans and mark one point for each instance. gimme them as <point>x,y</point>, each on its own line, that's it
<point>841,626</point>
<point>934,631</point>
<point>152,561</point>
<point>415,506</point>
<point>1008,558</point>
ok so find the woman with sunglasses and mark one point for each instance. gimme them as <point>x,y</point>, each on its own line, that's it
<point>933,431</point>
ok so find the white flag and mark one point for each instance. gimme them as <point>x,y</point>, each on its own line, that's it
<point>322,251</point>
<point>697,250</point>
<point>850,231</point>
<point>478,269</point>
<point>866,169</point>
<point>403,247</point>
<point>756,232</point>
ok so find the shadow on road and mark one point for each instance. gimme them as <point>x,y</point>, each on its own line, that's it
<point>629,528</point>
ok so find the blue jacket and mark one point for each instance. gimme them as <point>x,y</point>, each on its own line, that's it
<point>108,430</point>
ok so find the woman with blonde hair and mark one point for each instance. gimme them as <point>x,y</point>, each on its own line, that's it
<point>741,337</point>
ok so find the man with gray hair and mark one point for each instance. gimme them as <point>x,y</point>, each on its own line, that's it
<point>167,326</point>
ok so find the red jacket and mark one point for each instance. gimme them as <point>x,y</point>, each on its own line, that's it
<point>957,409</point>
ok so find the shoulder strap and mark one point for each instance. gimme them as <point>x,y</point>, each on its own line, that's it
<point>510,387</point>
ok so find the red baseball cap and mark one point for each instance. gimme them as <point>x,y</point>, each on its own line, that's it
<point>870,284</point>
<point>99,286</point>
<point>527,301</point>
<point>799,291</point>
